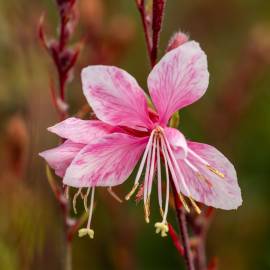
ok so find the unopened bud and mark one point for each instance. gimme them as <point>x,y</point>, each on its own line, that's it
<point>177,40</point>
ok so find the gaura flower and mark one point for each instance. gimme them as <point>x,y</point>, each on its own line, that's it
<point>104,152</point>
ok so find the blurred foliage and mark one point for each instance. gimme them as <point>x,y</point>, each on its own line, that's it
<point>234,115</point>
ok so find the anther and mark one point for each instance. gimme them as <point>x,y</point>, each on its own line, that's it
<point>147,210</point>
<point>128,196</point>
<point>182,199</point>
<point>195,206</point>
<point>215,171</point>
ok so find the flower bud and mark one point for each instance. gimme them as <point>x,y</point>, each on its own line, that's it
<point>177,40</point>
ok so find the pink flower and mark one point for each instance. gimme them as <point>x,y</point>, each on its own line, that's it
<point>104,152</point>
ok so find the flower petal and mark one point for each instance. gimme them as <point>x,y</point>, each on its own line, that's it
<point>106,162</point>
<point>177,141</point>
<point>115,96</point>
<point>179,79</point>
<point>59,158</point>
<point>81,131</point>
<point>208,187</point>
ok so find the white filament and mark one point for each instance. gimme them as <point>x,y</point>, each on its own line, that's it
<point>91,208</point>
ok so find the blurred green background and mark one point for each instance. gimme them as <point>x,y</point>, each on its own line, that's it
<point>234,115</point>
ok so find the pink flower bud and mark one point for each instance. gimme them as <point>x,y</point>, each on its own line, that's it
<point>177,40</point>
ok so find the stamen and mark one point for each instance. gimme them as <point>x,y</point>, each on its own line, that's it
<point>166,158</point>
<point>215,171</point>
<point>152,166</point>
<point>75,200</point>
<point>167,193</point>
<point>85,199</point>
<point>147,210</point>
<point>87,230</point>
<point>197,172</point>
<point>139,173</point>
<point>198,157</point>
<point>145,187</point>
<point>191,165</point>
<point>114,195</point>
<point>196,207</point>
<point>159,179</point>
<point>183,201</point>
<point>91,207</point>
<point>132,191</point>
<point>176,166</point>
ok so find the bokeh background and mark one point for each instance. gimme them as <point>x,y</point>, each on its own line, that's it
<point>234,115</point>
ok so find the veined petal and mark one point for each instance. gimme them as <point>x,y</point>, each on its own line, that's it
<point>177,141</point>
<point>115,96</point>
<point>219,191</point>
<point>60,157</point>
<point>81,131</point>
<point>179,79</point>
<point>106,162</point>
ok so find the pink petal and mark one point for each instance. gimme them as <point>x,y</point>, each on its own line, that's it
<point>81,131</point>
<point>59,158</point>
<point>179,79</point>
<point>115,96</point>
<point>106,162</point>
<point>177,141</point>
<point>212,189</point>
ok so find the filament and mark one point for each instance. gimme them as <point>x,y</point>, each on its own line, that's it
<point>114,195</point>
<point>159,179</point>
<point>85,199</point>
<point>176,166</point>
<point>91,208</point>
<point>75,200</point>
<point>152,166</point>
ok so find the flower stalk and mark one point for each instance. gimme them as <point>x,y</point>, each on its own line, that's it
<point>64,58</point>
<point>195,255</point>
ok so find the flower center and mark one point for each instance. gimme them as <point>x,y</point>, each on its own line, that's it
<point>159,147</point>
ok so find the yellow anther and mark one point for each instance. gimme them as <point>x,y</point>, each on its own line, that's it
<point>182,199</point>
<point>162,228</point>
<point>147,210</point>
<point>215,171</point>
<point>127,197</point>
<point>86,231</point>
<point>195,206</point>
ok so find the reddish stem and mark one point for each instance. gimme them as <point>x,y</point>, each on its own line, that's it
<point>175,238</point>
<point>158,11</point>
<point>141,8</point>
<point>182,222</point>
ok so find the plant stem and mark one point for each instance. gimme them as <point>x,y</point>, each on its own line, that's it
<point>182,222</point>
<point>141,8</point>
<point>68,263</point>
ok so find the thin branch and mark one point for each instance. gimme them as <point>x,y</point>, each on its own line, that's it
<point>141,7</point>
<point>182,222</point>
<point>158,12</point>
